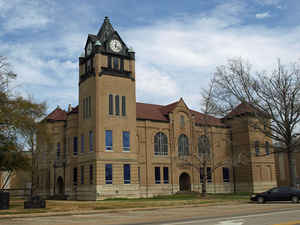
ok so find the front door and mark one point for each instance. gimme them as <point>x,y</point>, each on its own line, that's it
<point>184,182</point>
<point>60,186</point>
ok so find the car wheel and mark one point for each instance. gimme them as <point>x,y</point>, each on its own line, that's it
<point>260,200</point>
<point>295,199</point>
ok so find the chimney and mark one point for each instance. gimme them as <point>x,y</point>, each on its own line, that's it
<point>69,108</point>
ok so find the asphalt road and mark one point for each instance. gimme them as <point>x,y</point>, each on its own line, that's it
<point>241,214</point>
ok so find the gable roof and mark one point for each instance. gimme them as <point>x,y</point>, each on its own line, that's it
<point>202,119</point>
<point>145,111</point>
<point>105,31</point>
<point>150,112</point>
<point>241,109</point>
<point>74,110</point>
<point>168,108</point>
<point>160,113</point>
<point>57,115</point>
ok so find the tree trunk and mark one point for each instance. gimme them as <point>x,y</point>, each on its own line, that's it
<point>7,178</point>
<point>204,179</point>
<point>291,165</point>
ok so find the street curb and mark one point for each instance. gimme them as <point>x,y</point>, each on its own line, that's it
<point>91,212</point>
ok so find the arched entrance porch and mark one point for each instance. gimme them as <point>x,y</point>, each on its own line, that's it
<point>184,182</point>
<point>60,186</point>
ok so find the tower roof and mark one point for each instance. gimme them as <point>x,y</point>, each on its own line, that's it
<point>243,109</point>
<point>57,115</point>
<point>105,31</point>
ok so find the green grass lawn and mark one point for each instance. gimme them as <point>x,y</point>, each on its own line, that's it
<point>176,200</point>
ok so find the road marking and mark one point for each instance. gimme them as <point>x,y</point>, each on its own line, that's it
<point>289,223</point>
<point>234,218</point>
<point>231,222</point>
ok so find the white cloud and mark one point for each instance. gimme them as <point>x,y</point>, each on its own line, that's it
<point>18,14</point>
<point>152,80</point>
<point>188,51</point>
<point>269,2</point>
<point>262,15</point>
<point>175,57</point>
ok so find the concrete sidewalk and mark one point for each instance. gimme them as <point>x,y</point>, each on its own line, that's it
<point>146,216</point>
<point>201,207</point>
<point>102,211</point>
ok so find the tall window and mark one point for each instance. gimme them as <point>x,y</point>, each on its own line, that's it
<point>256,146</point>
<point>82,175</point>
<point>109,61</point>
<point>126,141</point>
<point>110,104</point>
<point>123,106</point>
<point>82,143</point>
<point>108,140</point>
<point>58,151</point>
<point>117,105</point>
<point>208,172</point>
<point>116,63</point>
<point>160,144</point>
<point>267,146</point>
<point>166,175</point>
<point>91,140</point>
<point>83,108</point>
<point>139,175</point>
<point>183,145</point>
<point>75,176</point>
<point>201,174</point>
<point>157,175</point>
<point>108,174</point>
<point>91,174</point>
<point>65,147</point>
<point>126,173</point>
<point>225,174</point>
<point>90,106</point>
<point>122,65</point>
<point>89,66</point>
<point>75,146</point>
<point>203,145</point>
<point>181,121</point>
<point>87,107</point>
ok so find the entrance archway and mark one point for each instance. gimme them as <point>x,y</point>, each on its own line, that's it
<point>184,182</point>
<point>60,186</point>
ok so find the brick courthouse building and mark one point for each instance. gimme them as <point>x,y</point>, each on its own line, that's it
<point>112,146</point>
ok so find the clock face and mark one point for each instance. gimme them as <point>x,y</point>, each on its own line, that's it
<point>89,48</point>
<point>115,45</point>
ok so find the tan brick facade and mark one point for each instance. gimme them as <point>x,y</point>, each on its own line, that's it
<point>109,134</point>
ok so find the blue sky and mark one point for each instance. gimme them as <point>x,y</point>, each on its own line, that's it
<point>178,44</point>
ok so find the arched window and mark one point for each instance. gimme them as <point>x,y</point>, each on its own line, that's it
<point>256,147</point>
<point>203,145</point>
<point>181,121</point>
<point>160,144</point>
<point>58,151</point>
<point>183,145</point>
<point>267,146</point>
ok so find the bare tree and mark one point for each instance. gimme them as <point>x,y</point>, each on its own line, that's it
<point>273,96</point>
<point>203,156</point>
<point>18,121</point>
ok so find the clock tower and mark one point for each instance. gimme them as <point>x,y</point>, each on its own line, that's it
<point>107,111</point>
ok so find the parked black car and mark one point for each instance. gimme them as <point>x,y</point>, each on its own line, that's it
<point>278,194</point>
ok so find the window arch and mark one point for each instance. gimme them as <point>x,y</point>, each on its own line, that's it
<point>160,144</point>
<point>183,145</point>
<point>203,145</point>
<point>267,146</point>
<point>181,121</point>
<point>256,147</point>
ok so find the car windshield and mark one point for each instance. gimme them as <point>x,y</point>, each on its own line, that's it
<point>295,189</point>
<point>274,190</point>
